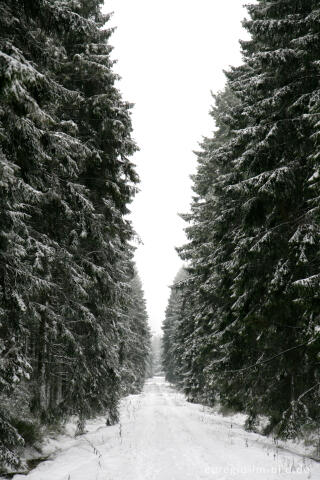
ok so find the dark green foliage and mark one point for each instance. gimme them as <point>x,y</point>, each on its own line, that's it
<point>250,334</point>
<point>29,430</point>
<point>9,441</point>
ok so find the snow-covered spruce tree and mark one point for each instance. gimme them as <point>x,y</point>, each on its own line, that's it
<point>135,340</point>
<point>49,157</point>
<point>170,342</point>
<point>205,291</point>
<point>264,341</point>
<point>66,182</point>
<point>25,93</point>
<point>13,363</point>
<point>278,242</point>
<point>108,177</point>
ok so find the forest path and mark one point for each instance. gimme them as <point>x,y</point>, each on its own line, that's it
<point>163,437</point>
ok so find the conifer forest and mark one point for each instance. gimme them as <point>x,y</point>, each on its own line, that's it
<point>242,324</point>
<point>73,334</point>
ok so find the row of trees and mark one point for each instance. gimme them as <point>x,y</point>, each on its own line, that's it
<point>243,327</point>
<point>73,324</point>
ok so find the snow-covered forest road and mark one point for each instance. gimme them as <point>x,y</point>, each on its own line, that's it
<point>162,437</point>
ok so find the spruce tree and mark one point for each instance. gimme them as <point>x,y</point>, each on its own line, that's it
<point>206,290</point>
<point>254,238</point>
<point>276,244</point>
<point>108,178</point>
<point>66,182</point>
<point>135,343</point>
<point>25,118</point>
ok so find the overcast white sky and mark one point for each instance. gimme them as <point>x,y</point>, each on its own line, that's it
<point>171,54</point>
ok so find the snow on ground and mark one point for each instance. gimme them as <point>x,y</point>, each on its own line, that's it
<point>162,437</point>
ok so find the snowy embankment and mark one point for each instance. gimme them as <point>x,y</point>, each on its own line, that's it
<point>162,437</point>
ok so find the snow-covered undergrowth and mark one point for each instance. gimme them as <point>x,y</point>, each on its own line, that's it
<point>307,446</point>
